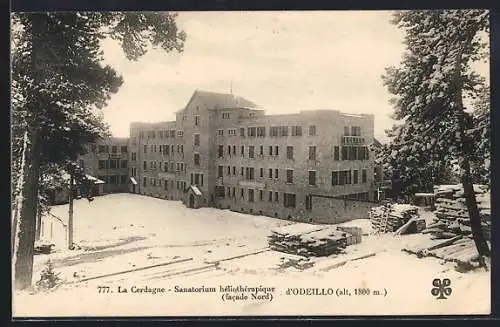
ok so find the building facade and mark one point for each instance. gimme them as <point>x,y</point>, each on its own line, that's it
<point>223,151</point>
<point>108,160</point>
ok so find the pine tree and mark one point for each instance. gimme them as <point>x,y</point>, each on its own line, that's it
<point>430,86</point>
<point>58,86</point>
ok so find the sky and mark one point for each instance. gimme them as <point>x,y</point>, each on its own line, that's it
<point>283,61</point>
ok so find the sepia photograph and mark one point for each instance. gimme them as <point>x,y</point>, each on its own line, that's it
<point>250,163</point>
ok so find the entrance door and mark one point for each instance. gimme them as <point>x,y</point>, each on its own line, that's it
<point>191,201</point>
<point>133,188</point>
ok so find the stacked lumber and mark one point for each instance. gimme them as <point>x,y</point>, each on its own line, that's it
<point>458,249</point>
<point>452,213</point>
<point>308,240</point>
<point>390,217</point>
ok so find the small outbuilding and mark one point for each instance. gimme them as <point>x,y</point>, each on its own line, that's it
<point>193,197</point>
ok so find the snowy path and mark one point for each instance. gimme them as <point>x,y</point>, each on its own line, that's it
<point>210,247</point>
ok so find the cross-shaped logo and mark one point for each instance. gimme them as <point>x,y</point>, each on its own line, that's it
<point>441,289</point>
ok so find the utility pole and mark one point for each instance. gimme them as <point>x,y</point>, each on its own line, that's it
<point>70,220</point>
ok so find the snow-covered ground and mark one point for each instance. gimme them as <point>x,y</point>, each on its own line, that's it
<point>213,248</point>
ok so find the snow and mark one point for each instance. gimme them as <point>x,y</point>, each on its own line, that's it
<point>123,232</point>
<point>196,190</point>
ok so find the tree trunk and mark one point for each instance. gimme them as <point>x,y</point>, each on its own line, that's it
<point>25,218</point>
<point>469,194</point>
<point>38,222</point>
<point>70,212</point>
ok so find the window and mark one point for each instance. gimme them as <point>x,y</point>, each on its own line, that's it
<point>270,197</point>
<point>284,131</point>
<point>124,164</point>
<point>252,132</point>
<point>102,148</point>
<point>180,133</point>
<point>123,179</point>
<point>196,159</point>
<point>144,182</point>
<point>312,130</point>
<point>289,152</point>
<point>242,132</point>
<point>289,175</point>
<point>234,149</point>
<point>276,152</point>
<point>144,166</point>
<point>273,131</point>
<point>234,170</point>
<point>276,173</point>
<point>312,177</point>
<point>335,178</point>
<point>363,176</point>
<point>261,195</point>
<point>172,135</point>
<point>355,131</point>
<point>165,166</point>
<point>312,152</point>
<point>165,186</point>
<point>229,150</point>
<point>145,148</point>
<point>270,150</point>
<point>270,173</point>
<point>151,165</point>
<point>124,149</point>
<point>231,132</point>
<point>103,164</point>
<point>261,152</point>
<point>289,200</point>
<point>152,148</point>
<point>261,172</point>
<point>261,131</point>
<point>355,176</point>
<point>355,153</point>
<point>113,164</point>
<point>296,130</point>
<point>276,197</point>
<point>196,141</point>
<point>250,173</point>
<point>220,132</point>
<point>242,194</point>
<point>234,192</point>
<point>242,171</point>
<point>221,151</point>
<point>242,150</point>
<point>228,170</point>
<point>336,154</point>
<point>220,171</point>
<point>114,149</point>
<point>346,131</point>
<point>251,151</point>
<point>133,171</point>
<point>197,120</point>
<point>226,115</point>
<point>250,195</point>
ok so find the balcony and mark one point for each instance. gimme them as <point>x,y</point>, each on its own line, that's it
<point>353,140</point>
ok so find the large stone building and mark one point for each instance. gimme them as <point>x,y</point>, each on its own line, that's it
<point>108,160</point>
<point>223,151</point>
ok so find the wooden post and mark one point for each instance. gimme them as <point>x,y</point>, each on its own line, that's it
<point>70,218</point>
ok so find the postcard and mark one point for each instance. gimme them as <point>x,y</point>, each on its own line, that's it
<point>279,163</point>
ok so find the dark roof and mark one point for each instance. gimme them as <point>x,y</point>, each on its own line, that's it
<point>377,143</point>
<point>213,100</point>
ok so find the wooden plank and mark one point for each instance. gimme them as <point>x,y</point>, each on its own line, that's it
<point>444,243</point>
